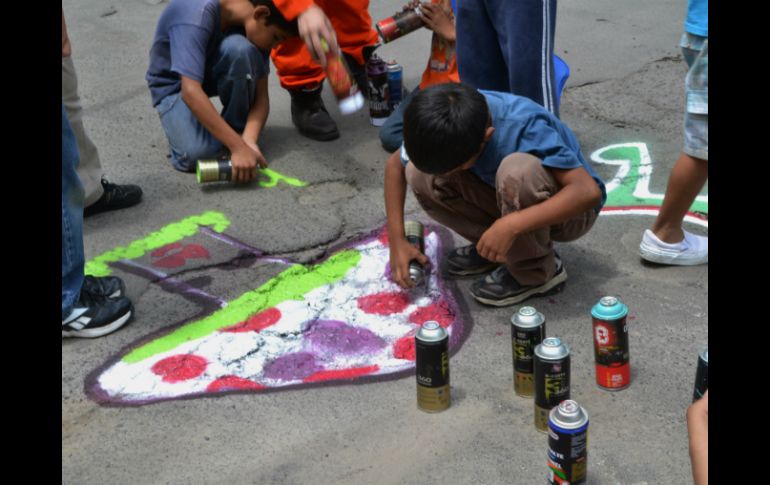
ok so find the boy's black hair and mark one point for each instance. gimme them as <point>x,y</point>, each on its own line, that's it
<point>444,126</point>
<point>277,18</point>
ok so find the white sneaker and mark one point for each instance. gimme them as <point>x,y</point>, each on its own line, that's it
<point>690,251</point>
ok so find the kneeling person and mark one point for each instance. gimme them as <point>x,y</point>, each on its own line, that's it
<point>502,172</point>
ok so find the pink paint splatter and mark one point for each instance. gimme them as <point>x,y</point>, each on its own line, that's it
<point>233,383</point>
<point>383,237</point>
<point>326,375</point>
<point>191,251</point>
<point>256,323</point>
<point>179,368</point>
<point>168,247</point>
<point>438,312</point>
<point>404,348</point>
<point>385,303</point>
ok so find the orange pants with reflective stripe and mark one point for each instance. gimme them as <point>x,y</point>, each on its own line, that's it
<point>353,28</point>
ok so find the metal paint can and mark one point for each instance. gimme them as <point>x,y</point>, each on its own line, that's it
<point>345,89</point>
<point>379,94</point>
<point>395,84</point>
<point>414,232</point>
<point>213,171</point>
<point>613,370</point>
<point>552,376</point>
<point>701,375</point>
<point>432,367</point>
<point>400,24</point>
<point>527,332</point>
<point>567,444</point>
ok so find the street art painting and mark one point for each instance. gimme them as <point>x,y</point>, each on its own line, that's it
<point>338,320</point>
<point>628,192</point>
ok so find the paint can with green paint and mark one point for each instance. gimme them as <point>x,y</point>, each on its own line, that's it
<point>214,171</point>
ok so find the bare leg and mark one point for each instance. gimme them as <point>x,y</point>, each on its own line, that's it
<point>687,179</point>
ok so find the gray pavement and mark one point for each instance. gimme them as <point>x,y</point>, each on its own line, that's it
<point>626,87</point>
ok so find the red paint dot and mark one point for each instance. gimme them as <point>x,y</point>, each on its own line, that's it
<point>383,237</point>
<point>256,323</point>
<point>194,251</point>
<point>404,348</point>
<point>326,375</point>
<point>180,367</point>
<point>438,312</point>
<point>168,247</point>
<point>233,383</point>
<point>385,303</point>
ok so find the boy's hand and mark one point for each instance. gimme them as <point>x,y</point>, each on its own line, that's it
<point>438,20</point>
<point>261,160</point>
<point>698,431</point>
<point>313,26</point>
<point>401,253</point>
<point>497,240</point>
<point>244,162</point>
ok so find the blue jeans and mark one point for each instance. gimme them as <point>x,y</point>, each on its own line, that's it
<point>232,77</point>
<point>518,60</point>
<point>392,132</point>
<point>72,257</point>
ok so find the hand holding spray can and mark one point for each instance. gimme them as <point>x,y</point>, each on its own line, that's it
<point>345,89</point>
<point>404,22</point>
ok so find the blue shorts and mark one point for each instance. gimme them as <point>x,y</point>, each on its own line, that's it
<point>696,118</point>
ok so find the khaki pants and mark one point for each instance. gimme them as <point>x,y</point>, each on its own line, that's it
<point>90,168</point>
<point>469,206</point>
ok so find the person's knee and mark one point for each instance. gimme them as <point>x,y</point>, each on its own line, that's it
<point>239,51</point>
<point>522,179</point>
<point>391,139</point>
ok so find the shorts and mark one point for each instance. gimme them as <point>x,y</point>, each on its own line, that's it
<point>696,118</point>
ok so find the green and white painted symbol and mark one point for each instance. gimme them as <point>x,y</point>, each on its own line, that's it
<point>628,192</point>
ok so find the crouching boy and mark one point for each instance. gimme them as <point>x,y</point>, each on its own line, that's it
<point>502,172</point>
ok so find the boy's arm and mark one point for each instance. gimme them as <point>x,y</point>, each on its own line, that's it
<point>244,158</point>
<point>256,120</point>
<point>440,20</point>
<point>313,25</point>
<point>401,252</point>
<point>578,194</point>
<point>698,431</point>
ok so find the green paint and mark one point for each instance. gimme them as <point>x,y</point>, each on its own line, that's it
<point>558,472</point>
<point>623,195</point>
<point>291,284</point>
<point>275,177</point>
<point>167,235</point>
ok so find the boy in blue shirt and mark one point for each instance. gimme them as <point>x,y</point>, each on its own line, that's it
<point>502,172</point>
<point>205,48</point>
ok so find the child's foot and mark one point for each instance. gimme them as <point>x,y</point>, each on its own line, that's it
<point>499,288</point>
<point>96,315</point>
<point>466,261</point>
<point>690,251</point>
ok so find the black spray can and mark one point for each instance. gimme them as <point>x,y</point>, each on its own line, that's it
<point>415,236</point>
<point>701,375</point>
<point>213,171</point>
<point>567,444</point>
<point>432,367</point>
<point>527,332</point>
<point>552,379</point>
<point>402,23</point>
<point>379,94</point>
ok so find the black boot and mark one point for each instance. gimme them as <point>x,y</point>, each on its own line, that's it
<point>309,115</point>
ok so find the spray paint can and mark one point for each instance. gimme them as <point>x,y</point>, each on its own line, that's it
<point>213,171</point>
<point>527,332</point>
<point>400,24</point>
<point>701,375</point>
<point>379,94</point>
<point>613,370</point>
<point>414,235</point>
<point>395,84</point>
<point>349,98</point>
<point>432,367</point>
<point>552,376</point>
<point>567,444</point>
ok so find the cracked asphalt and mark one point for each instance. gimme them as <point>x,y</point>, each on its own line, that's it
<point>626,86</point>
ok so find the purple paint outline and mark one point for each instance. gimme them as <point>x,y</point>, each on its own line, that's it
<point>449,288</point>
<point>261,256</point>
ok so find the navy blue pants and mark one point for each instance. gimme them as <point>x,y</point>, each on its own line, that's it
<point>507,45</point>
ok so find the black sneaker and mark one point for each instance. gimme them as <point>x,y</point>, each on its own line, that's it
<point>108,286</point>
<point>359,74</point>
<point>499,288</point>
<point>309,115</point>
<point>95,316</point>
<point>114,197</point>
<point>466,261</point>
